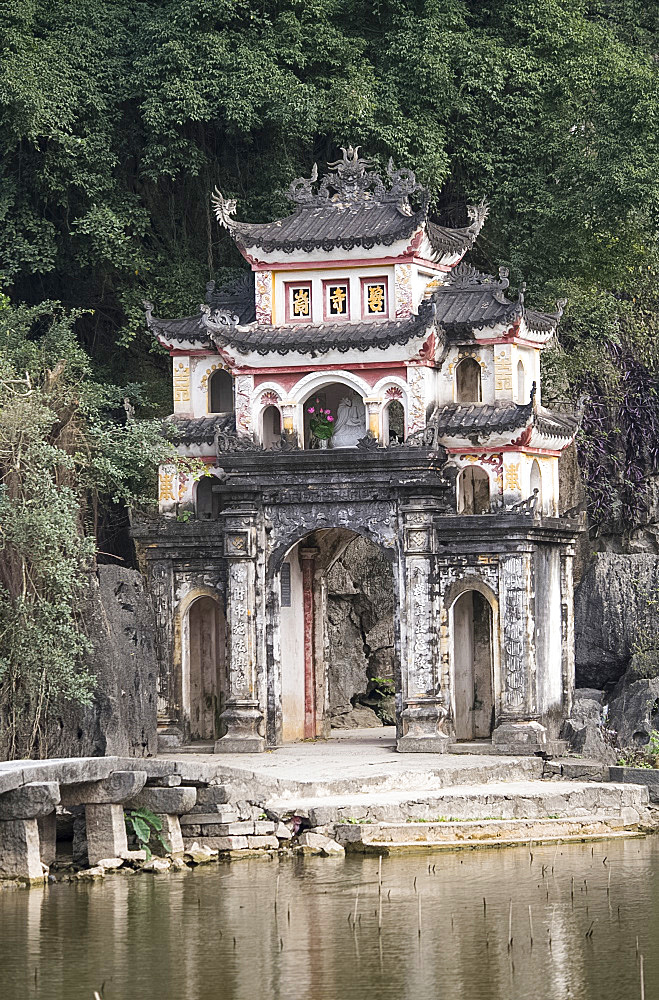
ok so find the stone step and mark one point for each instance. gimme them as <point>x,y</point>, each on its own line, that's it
<point>387,838</point>
<point>492,800</point>
<point>553,748</point>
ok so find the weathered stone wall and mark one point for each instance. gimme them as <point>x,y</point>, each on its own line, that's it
<point>122,719</point>
<point>360,609</point>
<point>616,611</point>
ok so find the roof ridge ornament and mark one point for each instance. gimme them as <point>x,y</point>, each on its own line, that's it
<point>224,208</point>
<point>467,276</point>
<point>477,214</point>
<point>350,182</point>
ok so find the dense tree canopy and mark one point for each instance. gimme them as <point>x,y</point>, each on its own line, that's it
<point>119,117</point>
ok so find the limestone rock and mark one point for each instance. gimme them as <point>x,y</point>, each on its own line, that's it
<point>634,710</point>
<point>135,856</point>
<point>282,832</point>
<point>30,801</point>
<point>97,871</point>
<point>332,849</point>
<point>613,608</point>
<point>226,843</point>
<point>586,728</point>
<point>110,864</point>
<point>19,850</point>
<point>211,795</point>
<point>199,854</point>
<point>157,865</point>
<point>121,623</point>
<point>358,718</point>
<point>318,843</point>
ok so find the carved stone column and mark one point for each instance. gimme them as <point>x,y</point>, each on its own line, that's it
<point>424,707</point>
<point>243,719</point>
<point>567,629</point>
<point>373,410</point>
<point>308,561</point>
<point>518,729</point>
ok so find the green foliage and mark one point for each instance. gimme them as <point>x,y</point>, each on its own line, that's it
<point>62,451</point>
<point>147,829</point>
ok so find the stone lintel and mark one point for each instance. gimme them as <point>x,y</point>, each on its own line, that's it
<point>30,801</point>
<point>172,801</point>
<point>120,786</point>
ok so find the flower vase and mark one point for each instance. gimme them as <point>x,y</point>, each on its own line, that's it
<point>322,443</point>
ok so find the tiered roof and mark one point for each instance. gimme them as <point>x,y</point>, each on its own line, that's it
<point>350,207</point>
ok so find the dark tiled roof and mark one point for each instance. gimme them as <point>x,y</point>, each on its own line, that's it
<point>189,328</point>
<point>469,299</point>
<point>464,419</point>
<point>308,338</point>
<point>350,207</point>
<point>197,430</point>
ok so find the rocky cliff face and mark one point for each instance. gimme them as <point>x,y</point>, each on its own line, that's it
<point>360,631</point>
<point>122,719</point>
<point>616,615</point>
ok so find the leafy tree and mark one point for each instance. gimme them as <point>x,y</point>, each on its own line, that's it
<point>61,450</point>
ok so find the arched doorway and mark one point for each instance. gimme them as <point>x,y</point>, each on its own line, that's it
<point>337,659</point>
<point>206,667</point>
<point>473,666</point>
<point>271,426</point>
<point>342,408</point>
<point>468,381</point>
<point>536,484</point>
<point>394,422</point>
<point>220,392</point>
<point>473,491</point>
<point>521,383</point>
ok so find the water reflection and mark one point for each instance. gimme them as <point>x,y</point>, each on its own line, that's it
<point>215,934</point>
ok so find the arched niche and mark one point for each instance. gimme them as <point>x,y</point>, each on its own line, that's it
<point>536,484</point>
<point>472,634</point>
<point>521,383</point>
<point>394,422</point>
<point>220,392</point>
<point>270,426</point>
<point>468,381</point>
<point>330,396</point>
<point>207,499</point>
<point>473,491</point>
<point>206,667</point>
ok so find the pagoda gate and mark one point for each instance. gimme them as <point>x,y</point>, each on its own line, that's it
<point>362,379</point>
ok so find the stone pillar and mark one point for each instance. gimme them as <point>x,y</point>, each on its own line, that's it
<point>167,804</point>
<point>161,584</point>
<point>424,707</point>
<point>373,410</point>
<point>308,563</point>
<point>48,838</point>
<point>104,812</point>
<point>567,629</point>
<point>20,812</point>
<point>243,719</point>
<point>518,730</point>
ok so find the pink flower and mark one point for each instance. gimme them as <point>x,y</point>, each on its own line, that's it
<point>311,410</point>
<point>330,420</point>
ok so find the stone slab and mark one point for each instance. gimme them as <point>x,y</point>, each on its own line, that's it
<point>194,819</point>
<point>270,843</point>
<point>240,744</point>
<point>171,832</point>
<point>646,776</point>
<point>35,799</point>
<point>222,843</point>
<point>47,838</point>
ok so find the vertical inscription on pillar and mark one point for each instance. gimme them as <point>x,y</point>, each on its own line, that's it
<point>240,632</point>
<point>514,632</point>
<point>421,647</point>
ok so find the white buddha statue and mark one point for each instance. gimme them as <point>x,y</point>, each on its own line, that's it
<point>350,423</point>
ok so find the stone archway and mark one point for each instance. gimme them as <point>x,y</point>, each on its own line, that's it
<point>473,682</point>
<point>337,661</point>
<point>205,667</point>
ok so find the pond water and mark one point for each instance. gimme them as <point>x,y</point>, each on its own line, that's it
<point>215,934</point>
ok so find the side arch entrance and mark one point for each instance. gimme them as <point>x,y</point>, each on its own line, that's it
<point>473,666</point>
<point>204,661</point>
